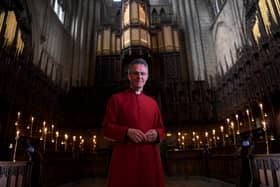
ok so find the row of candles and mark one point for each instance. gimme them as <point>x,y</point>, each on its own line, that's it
<point>55,136</point>
<point>231,130</point>
<point>198,141</point>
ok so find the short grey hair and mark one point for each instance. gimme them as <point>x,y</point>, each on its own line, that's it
<point>137,61</point>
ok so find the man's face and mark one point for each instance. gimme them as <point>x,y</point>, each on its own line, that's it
<point>138,76</point>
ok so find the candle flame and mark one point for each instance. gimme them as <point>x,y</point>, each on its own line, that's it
<point>222,128</point>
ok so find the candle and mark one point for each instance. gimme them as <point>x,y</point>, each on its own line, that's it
<point>56,139</point>
<point>15,148</point>
<point>197,140</point>
<point>94,142</point>
<point>228,125</point>
<point>214,137</point>
<point>194,140</point>
<point>237,121</point>
<point>82,144</point>
<point>249,121</point>
<point>266,137</point>
<point>45,137</point>
<point>52,140</point>
<point>18,116</point>
<point>31,126</point>
<point>223,136</point>
<point>264,125</point>
<point>66,138</point>
<point>233,133</point>
<point>42,131</point>
<point>261,107</point>
<point>206,138</point>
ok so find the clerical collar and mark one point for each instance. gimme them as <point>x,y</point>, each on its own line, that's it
<point>137,92</point>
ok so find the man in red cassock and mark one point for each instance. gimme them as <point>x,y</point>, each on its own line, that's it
<point>133,121</point>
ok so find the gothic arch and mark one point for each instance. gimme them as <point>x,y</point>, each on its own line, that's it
<point>154,16</point>
<point>162,14</point>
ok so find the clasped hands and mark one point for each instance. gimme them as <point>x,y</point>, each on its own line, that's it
<point>138,136</point>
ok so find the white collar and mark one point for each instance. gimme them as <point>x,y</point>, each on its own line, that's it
<point>137,92</point>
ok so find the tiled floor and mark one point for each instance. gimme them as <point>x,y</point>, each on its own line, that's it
<point>170,182</point>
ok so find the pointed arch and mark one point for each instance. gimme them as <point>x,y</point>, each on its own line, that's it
<point>154,17</point>
<point>162,14</point>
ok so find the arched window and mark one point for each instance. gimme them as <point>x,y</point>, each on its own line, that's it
<point>154,17</point>
<point>162,15</point>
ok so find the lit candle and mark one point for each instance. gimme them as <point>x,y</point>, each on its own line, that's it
<point>66,138</point>
<point>41,132</point>
<point>15,148</point>
<point>80,145</point>
<point>223,136</point>
<point>214,137</point>
<point>45,137</point>
<point>52,140</point>
<point>266,137</point>
<point>264,125</point>
<point>206,138</point>
<point>179,139</point>
<point>18,121</point>
<point>249,121</point>
<point>194,140</point>
<point>261,107</point>
<point>183,142</point>
<point>237,121</point>
<point>56,139</point>
<point>228,125</point>
<point>44,125</point>
<point>31,126</point>
<point>197,140</point>
<point>233,133</point>
<point>19,115</point>
<point>94,142</point>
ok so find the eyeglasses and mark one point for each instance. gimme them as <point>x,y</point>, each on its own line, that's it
<point>136,73</point>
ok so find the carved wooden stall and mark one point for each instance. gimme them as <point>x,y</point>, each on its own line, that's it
<point>62,167</point>
<point>201,163</point>
<point>15,174</point>
<point>266,170</point>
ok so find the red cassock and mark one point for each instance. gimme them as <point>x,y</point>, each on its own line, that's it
<point>133,164</point>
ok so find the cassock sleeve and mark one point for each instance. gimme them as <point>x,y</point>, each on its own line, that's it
<point>112,130</point>
<point>159,126</point>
